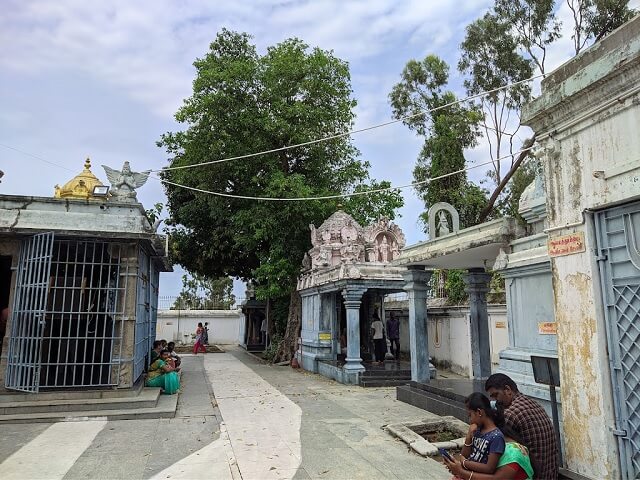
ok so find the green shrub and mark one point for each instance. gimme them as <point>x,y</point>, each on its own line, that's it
<point>454,288</point>
<point>271,351</point>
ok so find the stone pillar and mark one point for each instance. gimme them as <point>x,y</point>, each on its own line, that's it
<point>416,284</point>
<point>477,286</point>
<point>129,307</point>
<point>352,301</point>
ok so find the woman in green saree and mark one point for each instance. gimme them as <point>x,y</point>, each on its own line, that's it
<point>161,374</point>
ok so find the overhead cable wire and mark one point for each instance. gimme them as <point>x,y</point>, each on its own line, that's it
<point>340,135</point>
<point>341,195</point>
<point>311,142</point>
<point>34,156</point>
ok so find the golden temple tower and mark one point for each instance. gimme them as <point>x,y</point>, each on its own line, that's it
<point>81,186</point>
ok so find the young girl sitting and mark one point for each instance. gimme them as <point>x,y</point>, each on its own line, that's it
<point>484,444</point>
<point>514,463</point>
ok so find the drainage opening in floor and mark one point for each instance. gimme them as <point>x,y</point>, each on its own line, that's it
<point>426,436</point>
<point>435,435</point>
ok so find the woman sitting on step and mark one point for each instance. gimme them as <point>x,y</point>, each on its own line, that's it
<point>162,374</point>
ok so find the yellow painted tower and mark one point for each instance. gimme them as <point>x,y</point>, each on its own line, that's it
<point>81,186</point>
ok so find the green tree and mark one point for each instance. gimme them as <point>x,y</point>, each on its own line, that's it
<point>153,214</point>
<point>491,57</point>
<point>594,19</point>
<point>447,131</point>
<point>490,60</point>
<point>534,26</point>
<point>501,47</point>
<point>366,209</point>
<point>245,102</point>
<point>521,179</point>
<point>201,293</point>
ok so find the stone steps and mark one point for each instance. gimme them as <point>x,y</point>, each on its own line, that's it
<point>164,408</point>
<point>10,396</point>
<point>384,381</point>
<point>35,404</point>
<point>386,373</point>
<point>138,402</point>
<point>441,396</point>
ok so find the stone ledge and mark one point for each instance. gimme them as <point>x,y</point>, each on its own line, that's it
<point>165,408</point>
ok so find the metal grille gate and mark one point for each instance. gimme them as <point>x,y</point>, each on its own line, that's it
<point>68,313</point>
<point>82,341</point>
<point>618,231</point>
<point>28,314</point>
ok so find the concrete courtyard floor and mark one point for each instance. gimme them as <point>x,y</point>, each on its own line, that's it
<point>237,418</point>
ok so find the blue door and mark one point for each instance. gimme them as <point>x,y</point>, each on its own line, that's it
<point>618,232</point>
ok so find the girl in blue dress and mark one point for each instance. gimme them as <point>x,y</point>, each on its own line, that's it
<point>484,444</point>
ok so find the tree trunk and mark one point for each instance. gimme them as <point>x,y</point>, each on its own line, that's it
<point>496,193</point>
<point>271,326</point>
<point>289,343</point>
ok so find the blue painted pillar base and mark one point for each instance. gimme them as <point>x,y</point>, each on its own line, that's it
<point>416,285</point>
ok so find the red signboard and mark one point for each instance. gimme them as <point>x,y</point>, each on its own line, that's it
<point>566,244</point>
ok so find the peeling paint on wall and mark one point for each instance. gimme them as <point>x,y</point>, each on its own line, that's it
<point>575,176</point>
<point>577,339</point>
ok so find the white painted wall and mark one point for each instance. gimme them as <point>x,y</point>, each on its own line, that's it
<point>450,338</point>
<point>180,325</point>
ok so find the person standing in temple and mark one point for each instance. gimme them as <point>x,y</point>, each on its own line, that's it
<point>205,334</point>
<point>379,342</point>
<point>393,334</point>
<point>263,331</point>
<point>199,345</point>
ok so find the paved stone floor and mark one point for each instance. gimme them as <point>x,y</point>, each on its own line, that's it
<point>237,418</point>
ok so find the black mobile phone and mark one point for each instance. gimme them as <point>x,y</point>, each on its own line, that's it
<point>445,454</point>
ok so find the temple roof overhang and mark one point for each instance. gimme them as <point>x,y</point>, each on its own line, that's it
<point>26,214</point>
<point>69,217</point>
<point>473,247</point>
<point>381,276</point>
<point>253,304</point>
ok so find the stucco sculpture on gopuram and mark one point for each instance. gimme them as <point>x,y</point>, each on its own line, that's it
<point>341,244</point>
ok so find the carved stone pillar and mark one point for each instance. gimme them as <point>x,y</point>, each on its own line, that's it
<point>352,300</point>
<point>417,279</point>
<point>477,285</point>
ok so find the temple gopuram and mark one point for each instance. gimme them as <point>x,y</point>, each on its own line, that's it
<point>345,277</point>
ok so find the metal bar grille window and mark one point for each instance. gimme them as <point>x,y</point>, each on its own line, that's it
<point>82,337</point>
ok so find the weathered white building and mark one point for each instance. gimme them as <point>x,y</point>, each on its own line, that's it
<point>587,120</point>
<point>449,334</point>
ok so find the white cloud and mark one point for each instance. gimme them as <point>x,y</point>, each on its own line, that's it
<point>146,48</point>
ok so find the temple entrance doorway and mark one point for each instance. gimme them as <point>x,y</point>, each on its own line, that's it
<point>341,333</point>
<point>5,294</point>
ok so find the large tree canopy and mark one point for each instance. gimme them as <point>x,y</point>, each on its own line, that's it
<point>244,102</point>
<point>503,47</point>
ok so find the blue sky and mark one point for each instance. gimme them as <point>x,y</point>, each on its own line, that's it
<point>103,79</point>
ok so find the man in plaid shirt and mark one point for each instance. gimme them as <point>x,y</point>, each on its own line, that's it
<point>530,421</point>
